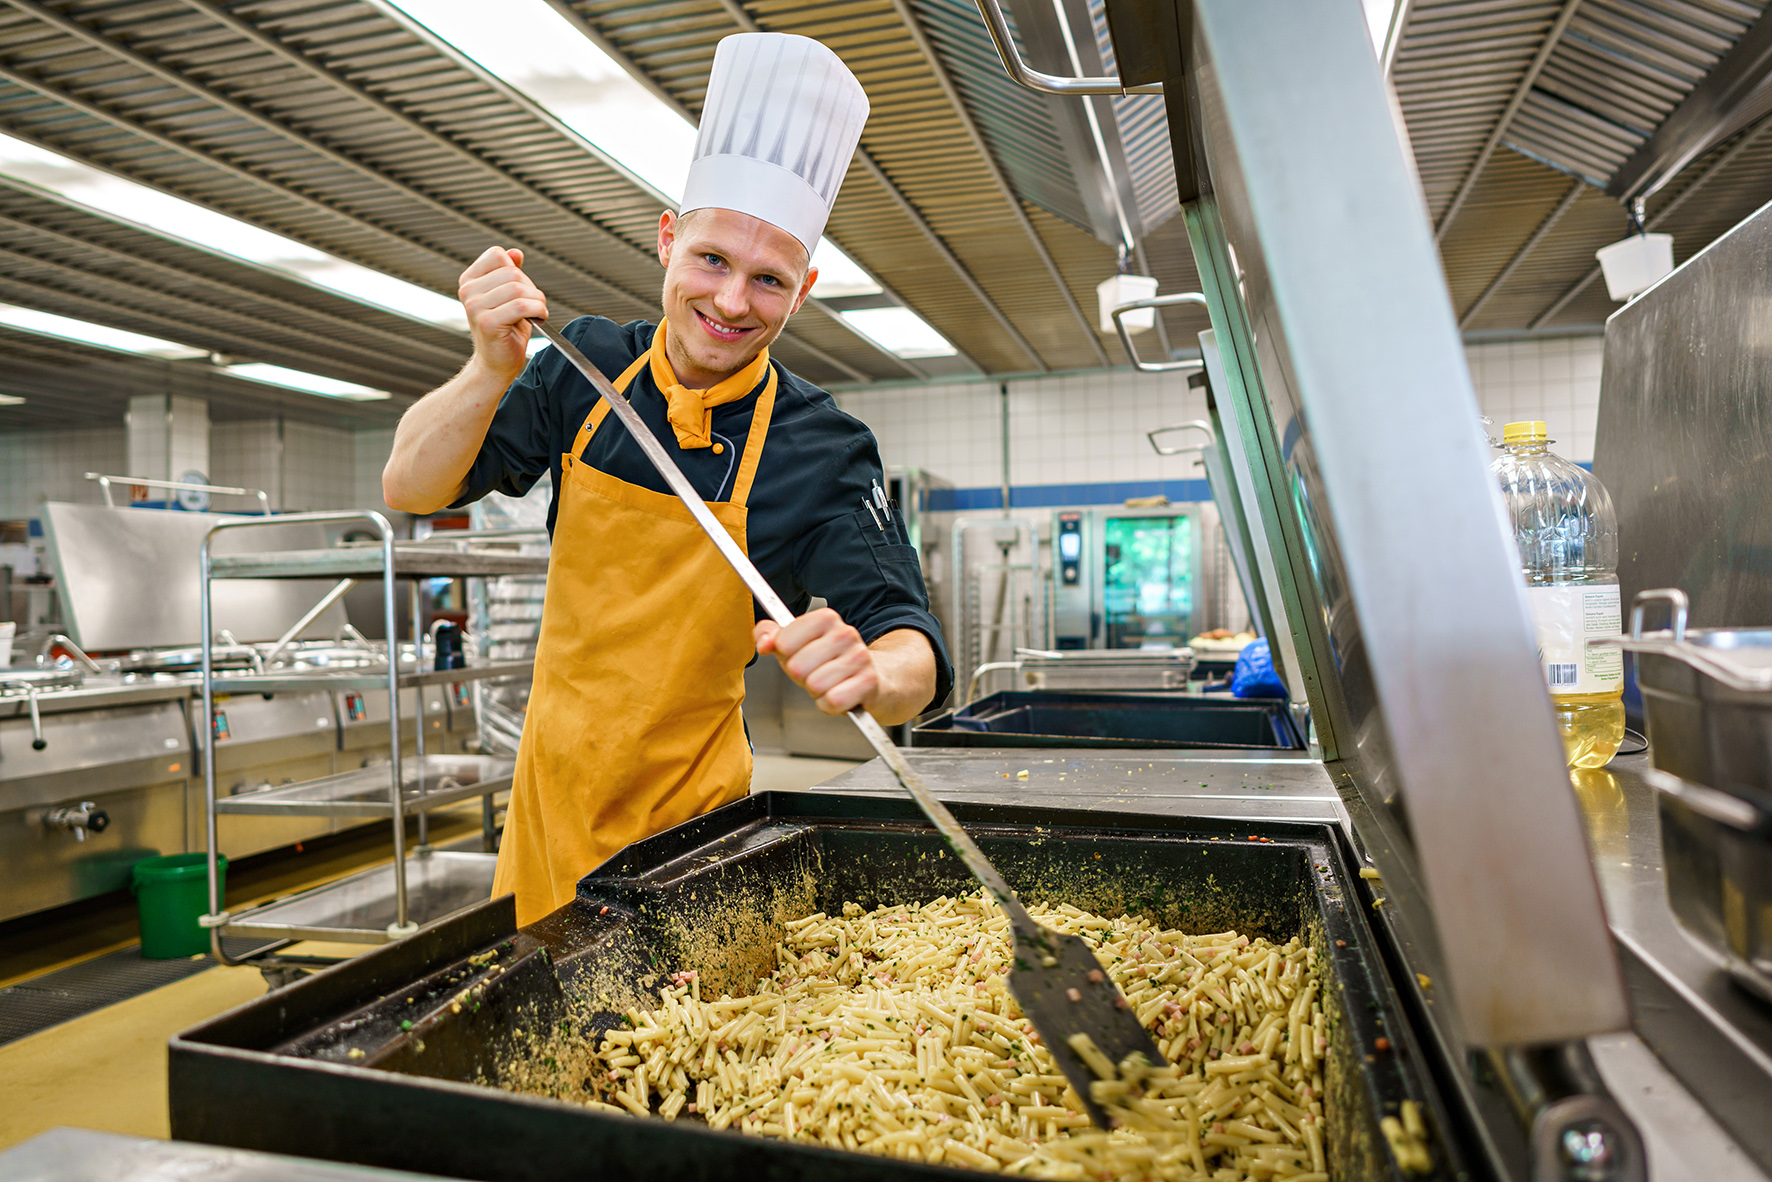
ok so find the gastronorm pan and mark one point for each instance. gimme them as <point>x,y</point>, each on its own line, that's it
<point>1111,720</point>
<point>1707,700</point>
<point>376,1060</point>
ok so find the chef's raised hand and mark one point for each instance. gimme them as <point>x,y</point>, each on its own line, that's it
<point>500,299</point>
<point>825,657</point>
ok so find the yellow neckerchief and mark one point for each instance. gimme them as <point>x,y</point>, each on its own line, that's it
<point>691,412</point>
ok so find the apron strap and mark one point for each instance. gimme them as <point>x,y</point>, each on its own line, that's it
<point>753,448</point>
<point>602,408</point>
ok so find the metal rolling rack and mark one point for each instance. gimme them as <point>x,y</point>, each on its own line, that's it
<point>385,902</point>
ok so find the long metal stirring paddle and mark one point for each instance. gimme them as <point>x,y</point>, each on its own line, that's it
<point>1056,978</point>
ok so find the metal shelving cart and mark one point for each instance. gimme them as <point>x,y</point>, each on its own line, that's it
<point>384,902</point>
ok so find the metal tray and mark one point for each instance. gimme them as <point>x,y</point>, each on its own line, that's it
<point>1111,720</point>
<point>373,1062</point>
<point>427,782</point>
<point>360,908</point>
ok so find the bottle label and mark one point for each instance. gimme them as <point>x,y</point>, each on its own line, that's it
<point>1567,617</point>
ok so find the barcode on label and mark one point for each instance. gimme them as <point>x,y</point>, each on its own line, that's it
<point>1561,674</point>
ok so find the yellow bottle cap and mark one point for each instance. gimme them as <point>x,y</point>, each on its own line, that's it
<point>1532,431</point>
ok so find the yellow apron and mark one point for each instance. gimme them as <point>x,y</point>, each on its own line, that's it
<point>634,722</point>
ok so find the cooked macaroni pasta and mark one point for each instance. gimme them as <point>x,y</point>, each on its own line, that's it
<point>893,1032</point>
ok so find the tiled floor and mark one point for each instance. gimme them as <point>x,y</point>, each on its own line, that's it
<point>792,773</point>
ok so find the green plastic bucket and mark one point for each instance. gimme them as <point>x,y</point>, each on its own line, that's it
<point>170,893</point>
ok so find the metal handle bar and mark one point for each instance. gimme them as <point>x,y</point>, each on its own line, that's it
<point>1020,72</point>
<point>1706,801</point>
<point>1679,605</point>
<point>978,675</point>
<point>104,484</point>
<point>38,742</point>
<point>1168,301</point>
<point>75,652</point>
<point>1190,425</point>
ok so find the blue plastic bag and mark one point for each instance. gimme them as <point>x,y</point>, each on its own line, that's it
<point>1254,676</point>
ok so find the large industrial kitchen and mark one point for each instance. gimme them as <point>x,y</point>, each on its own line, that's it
<point>869,590</point>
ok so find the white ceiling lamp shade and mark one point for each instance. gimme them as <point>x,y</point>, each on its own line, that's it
<point>1119,290</point>
<point>1635,264</point>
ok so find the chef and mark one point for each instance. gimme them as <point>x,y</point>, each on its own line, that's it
<point>634,722</point>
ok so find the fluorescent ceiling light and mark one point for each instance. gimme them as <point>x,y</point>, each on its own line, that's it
<point>11,400</point>
<point>533,48</point>
<point>177,218</point>
<point>1379,14</point>
<point>67,328</point>
<point>900,331</point>
<point>838,274</point>
<point>311,383</point>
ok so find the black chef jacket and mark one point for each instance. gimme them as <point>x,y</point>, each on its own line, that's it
<point>807,528</point>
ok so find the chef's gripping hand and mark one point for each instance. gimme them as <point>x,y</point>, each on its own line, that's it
<point>825,657</point>
<point>893,678</point>
<point>500,299</point>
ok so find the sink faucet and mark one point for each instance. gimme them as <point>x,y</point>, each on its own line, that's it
<point>74,650</point>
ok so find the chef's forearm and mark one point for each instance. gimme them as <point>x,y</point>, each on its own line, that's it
<point>437,440</point>
<point>905,665</point>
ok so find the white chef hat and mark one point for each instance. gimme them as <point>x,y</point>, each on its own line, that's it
<point>780,124</point>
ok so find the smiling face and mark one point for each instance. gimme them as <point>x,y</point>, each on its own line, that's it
<point>731,282</point>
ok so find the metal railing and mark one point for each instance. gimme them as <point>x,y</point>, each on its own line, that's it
<point>105,482</point>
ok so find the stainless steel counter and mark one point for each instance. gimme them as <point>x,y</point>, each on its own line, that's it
<point>1697,1074</point>
<point>98,693</point>
<point>1257,786</point>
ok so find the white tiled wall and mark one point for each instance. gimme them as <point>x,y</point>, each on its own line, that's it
<point>145,421</point>
<point>168,437</point>
<point>1069,429</point>
<point>247,455</point>
<point>38,466</point>
<point>319,467</point>
<point>1090,428</point>
<point>369,454</point>
<point>299,465</point>
<point>188,441</point>
<point>1555,380</point>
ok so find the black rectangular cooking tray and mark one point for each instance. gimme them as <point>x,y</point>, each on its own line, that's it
<point>375,1061</point>
<point>1057,718</point>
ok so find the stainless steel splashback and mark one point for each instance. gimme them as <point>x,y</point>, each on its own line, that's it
<point>1685,433</point>
<point>128,578</point>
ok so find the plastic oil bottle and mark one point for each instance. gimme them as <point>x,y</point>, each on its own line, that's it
<point>1567,534</point>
